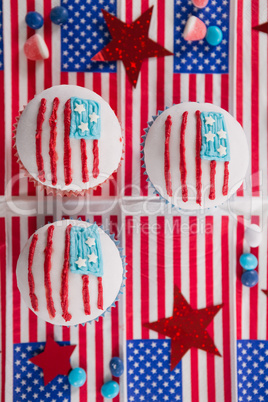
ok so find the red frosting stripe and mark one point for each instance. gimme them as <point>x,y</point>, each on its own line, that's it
<point>183,168</point>
<point>38,140</point>
<point>95,171</point>
<point>67,146</point>
<point>85,176</point>
<point>212,180</point>
<point>100,293</point>
<point>47,269</point>
<point>226,178</point>
<point>167,155</point>
<point>198,168</point>
<point>52,142</point>
<point>85,293</point>
<point>33,297</point>
<point>64,276</point>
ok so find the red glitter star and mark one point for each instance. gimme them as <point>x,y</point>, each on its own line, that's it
<point>186,328</point>
<point>265,292</point>
<point>55,360</point>
<point>130,43</point>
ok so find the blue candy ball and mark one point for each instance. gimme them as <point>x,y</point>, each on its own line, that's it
<point>59,15</point>
<point>110,389</point>
<point>116,366</point>
<point>34,20</point>
<point>77,377</point>
<point>214,35</point>
<point>250,278</point>
<point>248,261</point>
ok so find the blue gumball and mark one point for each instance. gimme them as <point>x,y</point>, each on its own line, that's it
<point>77,377</point>
<point>110,389</point>
<point>116,366</point>
<point>248,261</point>
<point>250,278</point>
<point>59,15</point>
<point>214,35</point>
<point>34,20</point>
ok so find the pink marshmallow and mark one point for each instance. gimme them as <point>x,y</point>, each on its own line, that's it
<point>35,48</point>
<point>195,29</point>
<point>200,3</point>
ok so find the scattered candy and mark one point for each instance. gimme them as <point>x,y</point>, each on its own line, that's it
<point>214,35</point>
<point>248,261</point>
<point>116,366</point>
<point>59,15</point>
<point>250,278</point>
<point>110,389</point>
<point>253,235</point>
<point>195,29</point>
<point>34,20</point>
<point>77,377</point>
<point>35,48</point>
<point>200,3</point>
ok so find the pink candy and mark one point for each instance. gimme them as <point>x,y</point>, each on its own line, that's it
<point>35,48</point>
<point>195,29</point>
<point>200,3</point>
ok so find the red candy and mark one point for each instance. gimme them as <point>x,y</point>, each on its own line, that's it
<point>195,29</point>
<point>200,3</point>
<point>35,48</point>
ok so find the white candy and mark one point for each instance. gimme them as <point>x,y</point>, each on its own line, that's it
<point>253,235</point>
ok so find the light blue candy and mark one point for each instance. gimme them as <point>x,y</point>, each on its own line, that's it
<point>116,366</point>
<point>248,261</point>
<point>34,20</point>
<point>214,35</point>
<point>59,15</point>
<point>250,278</point>
<point>77,377</point>
<point>110,389</point>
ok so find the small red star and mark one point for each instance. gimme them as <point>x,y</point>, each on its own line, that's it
<point>186,328</point>
<point>262,27</point>
<point>265,292</point>
<point>54,360</point>
<point>130,43</point>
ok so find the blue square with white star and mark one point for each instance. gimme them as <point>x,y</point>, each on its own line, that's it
<point>85,119</point>
<point>28,383</point>
<point>85,34</point>
<point>252,370</point>
<point>148,372</point>
<point>198,56</point>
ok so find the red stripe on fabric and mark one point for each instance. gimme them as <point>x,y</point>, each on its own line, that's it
<point>212,193</point>
<point>64,79</point>
<point>66,333</point>
<point>168,124</point>
<point>32,225</point>
<point>144,112</point>
<point>48,40</point>
<point>14,88</point>
<point>160,71</point>
<point>99,345</point>
<point>64,292</point>
<point>33,297</point>
<point>113,103</point>
<point>239,270</point>
<point>3,305</point>
<point>225,91</point>
<point>38,139</point>
<point>267,282</point>
<point>85,175</point>
<point>225,178</point>
<point>144,264</point>
<point>253,295</point>
<point>80,79</point>
<point>47,269</point>
<point>82,337</point>
<point>129,283</point>
<point>49,327</point>
<point>208,88</point>
<point>176,88</point>
<point>226,353</point>
<point>97,88</point>
<point>193,301</point>
<point>255,100</point>
<point>210,302</point>
<point>67,146</point>
<point>85,294</point>
<point>198,167</point>
<point>95,171</point>
<point>15,224</point>
<point>128,138</point>
<point>183,167</point>
<point>192,87</point>
<point>2,136</point>
<point>161,269</point>
<point>177,251</point>
<point>53,140</point>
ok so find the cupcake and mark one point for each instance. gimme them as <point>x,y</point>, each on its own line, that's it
<point>70,272</point>
<point>195,155</point>
<point>68,140</point>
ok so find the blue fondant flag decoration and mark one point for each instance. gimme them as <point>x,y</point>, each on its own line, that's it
<point>85,119</point>
<point>85,251</point>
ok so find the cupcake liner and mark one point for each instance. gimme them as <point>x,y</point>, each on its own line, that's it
<point>50,190</point>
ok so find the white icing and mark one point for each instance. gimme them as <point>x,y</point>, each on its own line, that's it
<point>154,151</point>
<point>110,143</point>
<point>112,276</point>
